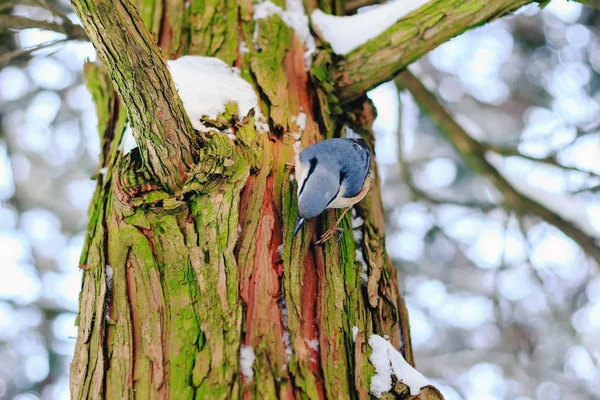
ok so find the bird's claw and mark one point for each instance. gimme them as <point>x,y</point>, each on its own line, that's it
<point>327,235</point>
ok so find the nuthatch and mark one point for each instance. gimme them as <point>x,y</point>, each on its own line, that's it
<point>333,173</point>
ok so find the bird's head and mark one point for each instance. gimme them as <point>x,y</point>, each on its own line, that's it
<point>330,173</point>
<point>318,186</point>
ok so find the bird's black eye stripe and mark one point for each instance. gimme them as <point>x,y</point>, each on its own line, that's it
<point>313,165</point>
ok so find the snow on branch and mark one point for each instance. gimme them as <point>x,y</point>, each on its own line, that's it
<point>387,362</point>
<point>207,84</point>
<point>344,34</point>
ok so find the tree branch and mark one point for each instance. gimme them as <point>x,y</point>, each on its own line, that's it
<point>7,57</point>
<point>8,4</point>
<point>53,8</point>
<point>381,58</point>
<point>551,159</point>
<point>472,153</point>
<point>592,3</point>
<point>351,6</point>
<point>591,189</point>
<point>162,129</point>
<point>419,194</point>
<point>72,31</point>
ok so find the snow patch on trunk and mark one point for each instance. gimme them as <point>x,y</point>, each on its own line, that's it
<point>247,358</point>
<point>300,121</point>
<point>563,204</point>
<point>347,33</point>
<point>127,141</point>
<point>358,225</point>
<point>242,48</point>
<point>286,334</point>
<point>207,84</point>
<point>387,362</point>
<point>294,17</point>
<point>312,344</point>
<point>364,267</point>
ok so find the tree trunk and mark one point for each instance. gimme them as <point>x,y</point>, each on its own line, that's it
<point>189,258</point>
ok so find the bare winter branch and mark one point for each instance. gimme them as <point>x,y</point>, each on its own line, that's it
<point>551,159</point>
<point>592,3</point>
<point>472,152</point>
<point>7,57</point>
<point>72,31</point>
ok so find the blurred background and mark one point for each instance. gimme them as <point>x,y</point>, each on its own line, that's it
<point>502,304</point>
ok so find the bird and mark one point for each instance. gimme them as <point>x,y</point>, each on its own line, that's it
<point>333,173</point>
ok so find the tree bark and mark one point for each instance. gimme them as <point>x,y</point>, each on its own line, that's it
<point>189,256</point>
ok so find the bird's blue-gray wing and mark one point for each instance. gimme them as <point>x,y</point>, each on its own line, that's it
<point>355,168</point>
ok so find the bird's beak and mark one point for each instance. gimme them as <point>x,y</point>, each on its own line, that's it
<point>299,225</point>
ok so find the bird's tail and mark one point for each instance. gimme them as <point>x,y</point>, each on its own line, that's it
<point>299,225</point>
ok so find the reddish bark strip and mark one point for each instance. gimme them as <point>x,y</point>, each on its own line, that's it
<point>308,326</point>
<point>300,99</point>
<point>260,287</point>
<point>144,349</point>
<point>137,333</point>
<point>240,39</point>
<point>166,32</point>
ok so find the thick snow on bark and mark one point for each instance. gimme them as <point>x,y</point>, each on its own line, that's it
<point>207,84</point>
<point>347,33</point>
<point>387,362</point>
<point>127,141</point>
